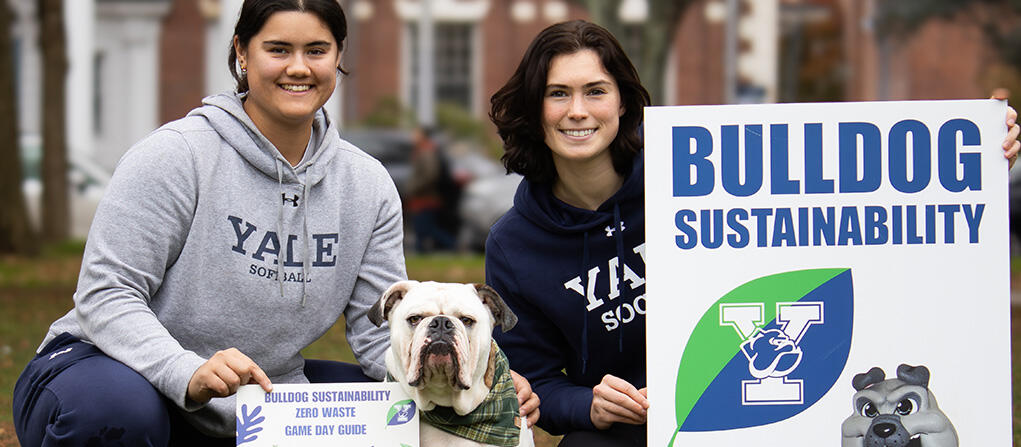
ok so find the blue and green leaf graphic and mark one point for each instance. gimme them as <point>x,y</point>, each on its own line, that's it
<point>401,412</point>
<point>765,351</point>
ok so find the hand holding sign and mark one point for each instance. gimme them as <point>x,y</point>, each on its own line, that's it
<point>1011,145</point>
<point>528,400</point>
<point>615,400</point>
<point>223,373</point>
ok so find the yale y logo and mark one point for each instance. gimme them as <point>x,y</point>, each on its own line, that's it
<point>772,353</point>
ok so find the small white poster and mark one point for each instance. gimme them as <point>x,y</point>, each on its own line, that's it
<point>327,414</point>
<point>828,274</point>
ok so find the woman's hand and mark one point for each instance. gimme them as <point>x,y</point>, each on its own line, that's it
<point>616,400</point>
<point>1011,145</point>
<point>528,401</point>
<point>223,373</point>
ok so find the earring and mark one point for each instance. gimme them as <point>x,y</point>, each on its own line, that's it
<point>244,71</point>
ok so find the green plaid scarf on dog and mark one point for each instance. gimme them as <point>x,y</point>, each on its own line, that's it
<point>493,422</point>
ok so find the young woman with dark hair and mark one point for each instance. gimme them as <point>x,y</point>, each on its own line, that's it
<point>569,118</point>
<point>516,106</point>
<point>227,242</point>
<point>569,257</point>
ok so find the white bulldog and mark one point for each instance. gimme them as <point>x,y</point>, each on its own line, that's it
<point>443,355</point>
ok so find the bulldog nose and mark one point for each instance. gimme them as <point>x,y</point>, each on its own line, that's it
<point>884,430</point>
<point>442,325</point>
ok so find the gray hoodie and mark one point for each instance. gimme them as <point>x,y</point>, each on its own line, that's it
<point>182,257</point>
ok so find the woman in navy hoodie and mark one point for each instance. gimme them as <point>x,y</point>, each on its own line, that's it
<point>569,257</point>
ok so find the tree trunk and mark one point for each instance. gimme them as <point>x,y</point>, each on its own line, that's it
<point>604,12</point>
<point>55,207</point>
<point>657,36</point>
<point>16,235</point>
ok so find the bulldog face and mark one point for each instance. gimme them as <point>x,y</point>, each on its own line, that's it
<point>771,353</point>
<point>440,338</point>
<point>899,412</point>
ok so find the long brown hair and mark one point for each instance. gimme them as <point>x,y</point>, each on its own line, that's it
<point>517,106</point>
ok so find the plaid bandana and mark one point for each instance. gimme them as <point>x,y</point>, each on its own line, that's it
<point>493,422</point>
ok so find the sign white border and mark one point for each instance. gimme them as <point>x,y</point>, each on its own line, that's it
<point>942,305</point>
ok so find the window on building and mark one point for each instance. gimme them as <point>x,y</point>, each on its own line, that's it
<point>453,50</point>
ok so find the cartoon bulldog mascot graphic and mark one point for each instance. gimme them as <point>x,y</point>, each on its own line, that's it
<point>897,412</point>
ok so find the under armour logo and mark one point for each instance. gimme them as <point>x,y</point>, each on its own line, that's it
<point>294,201</point>
<point>609,230</point>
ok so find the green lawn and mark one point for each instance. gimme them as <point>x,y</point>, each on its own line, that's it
<point>35,292</point>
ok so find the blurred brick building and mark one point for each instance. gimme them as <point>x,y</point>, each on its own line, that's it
<point>135,64</point>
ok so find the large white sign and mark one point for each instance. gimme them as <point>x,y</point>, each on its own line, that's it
<point>823,273</point>
<point>327,414</point>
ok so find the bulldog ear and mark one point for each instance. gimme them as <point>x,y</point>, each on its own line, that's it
<point>867,379</point>
<point>501,313</point>
<point>380,311</point>
<point>913,375</point>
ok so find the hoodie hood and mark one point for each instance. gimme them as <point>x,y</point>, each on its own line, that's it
<point>535,201</point>
<point>226,114</point>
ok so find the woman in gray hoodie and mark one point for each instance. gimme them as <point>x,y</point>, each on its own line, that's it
<point>227,242</point>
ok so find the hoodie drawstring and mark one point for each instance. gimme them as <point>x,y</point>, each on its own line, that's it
<point>584,307</point>
<point>306,254</point>
<point>619,238</point>
<point>304,236</point>
<point>280,226</point>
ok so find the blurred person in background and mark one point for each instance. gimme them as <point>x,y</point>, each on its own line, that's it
<point>429,193</point>
<point>569,118</point>
<point>226,243</point>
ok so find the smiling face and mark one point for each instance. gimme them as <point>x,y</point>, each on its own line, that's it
<point>581,109</point>
<point>291,64</point>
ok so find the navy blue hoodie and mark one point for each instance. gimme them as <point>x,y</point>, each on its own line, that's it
<point>581,311</point>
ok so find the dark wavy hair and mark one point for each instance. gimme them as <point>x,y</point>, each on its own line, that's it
<point>255,13</point>
<point>517,106</point>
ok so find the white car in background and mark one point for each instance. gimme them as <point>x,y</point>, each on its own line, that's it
<point>86,184</point>
<point>484,201</point>
<point>487,192</point>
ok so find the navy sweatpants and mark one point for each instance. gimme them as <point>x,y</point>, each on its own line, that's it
<point>618,435</point>
<point>72,394</point>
